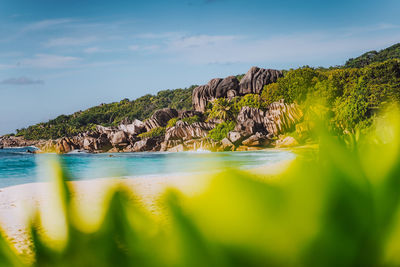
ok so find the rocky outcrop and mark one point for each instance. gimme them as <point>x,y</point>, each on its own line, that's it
<point>17,141</point>
<point>250,121</point>
<point>134,128</point>
<point>185,131</point>
<point>288,141</point>
<point>190,113</point>
<point>255,79</point>
<point>178,148</point>
<point>160,118</point>
<point>147,144</point>
<point>64,145</point>
<point>216,88</point>
<point>277,119</point>
<point>281,117</point>
<point>119,138</point>
<point>235,137</point>
<point>257,139</point>
<point>254,127</point>
<point>227,145</point>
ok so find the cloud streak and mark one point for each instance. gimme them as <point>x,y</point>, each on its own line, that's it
<point>70,41</point>
<point>49,61</point>
<point>295,49</point>
<point>44,24</point>
<point>21,81</point>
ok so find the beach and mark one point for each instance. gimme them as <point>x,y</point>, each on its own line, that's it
<point>18,203</point>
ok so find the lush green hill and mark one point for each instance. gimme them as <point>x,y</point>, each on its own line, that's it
<point>348,97</point>
<point>109,114</point>
<point>374,56</point>
<point>351,94</point>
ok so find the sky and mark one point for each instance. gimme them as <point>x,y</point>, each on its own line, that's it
<point>58,57</point>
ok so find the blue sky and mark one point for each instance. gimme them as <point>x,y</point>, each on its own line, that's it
<point>57,57</point>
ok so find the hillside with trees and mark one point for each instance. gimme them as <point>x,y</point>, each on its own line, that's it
<point>110,114</point>
<point>370,57</point>
<point>348,99</point>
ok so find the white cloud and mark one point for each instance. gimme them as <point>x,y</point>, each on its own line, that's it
<point>94,49</point>
<point>164,35</point>
<point>49,61</point>
<point>201,41</point>
<point>289,49</point>
<point>134,47</point>
<point>44,24</point>
<point>21,81</point>
<point>145,48</point>
<point>70,41</point>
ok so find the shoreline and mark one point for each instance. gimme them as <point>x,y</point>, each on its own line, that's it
<point>259,161</point>
<point>18,202</point>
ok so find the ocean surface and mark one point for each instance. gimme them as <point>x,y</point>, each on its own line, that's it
<point>17,166</point>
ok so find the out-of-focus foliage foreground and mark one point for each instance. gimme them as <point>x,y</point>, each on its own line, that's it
<point>339,207</point>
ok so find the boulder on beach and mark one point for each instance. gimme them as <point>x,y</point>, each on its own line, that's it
<point>185,131</point>
<point>256,78</point>
<point>160,118</point>
<point>134,128</point>
<point>215,88</point>
<point>249,121</point>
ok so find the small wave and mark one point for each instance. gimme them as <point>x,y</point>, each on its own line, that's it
<point>200,150</point>
<point>78,151</point>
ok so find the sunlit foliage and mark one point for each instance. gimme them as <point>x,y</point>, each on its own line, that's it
<point>155,132</point>
<point>353,96</point>
<point>221,130</point>
<point>109,114</point>
<point>339,207</point>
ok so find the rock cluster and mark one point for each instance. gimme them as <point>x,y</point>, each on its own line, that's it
<point>15,141</point>
<point>254,128</point>
<point>252,83</point>
<point>160,118</point>
<point>255,79</point>
<point>215,88</point>
<point>185,131</point>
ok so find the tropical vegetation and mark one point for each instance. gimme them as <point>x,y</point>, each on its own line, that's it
<point>109,114</point>
<point>336,207</point>
<point>349,96</point>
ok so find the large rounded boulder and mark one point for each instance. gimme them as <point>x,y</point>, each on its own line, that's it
<point>160,118</point>
<point>215,88</point>
<point>255,79</point>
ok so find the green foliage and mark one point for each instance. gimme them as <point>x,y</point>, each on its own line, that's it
<point>294,86</point>
<point>155,132</point>
<point>109,114</point>
<point>172,122</point>
<point>250,100</point>
<point>240,76</point>
<point>222,109</point>
<point>392,52</point>
<point>192,119</point>
<point>221,130</point>
<point>352,96</point>
<point>340,207</point>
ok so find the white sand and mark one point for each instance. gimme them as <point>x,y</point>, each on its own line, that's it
<point>17,203</point>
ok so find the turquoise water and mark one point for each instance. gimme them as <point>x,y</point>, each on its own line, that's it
<point>19,167</point>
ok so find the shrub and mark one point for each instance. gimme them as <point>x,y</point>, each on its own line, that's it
<point>221,130</point>
<point>250,100</point>
<point>192,119</point>
<point>172,122</point>
<point>155,132</point>
<point>222,109</point>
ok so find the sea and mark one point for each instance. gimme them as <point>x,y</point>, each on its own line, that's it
<point>19,166</point>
